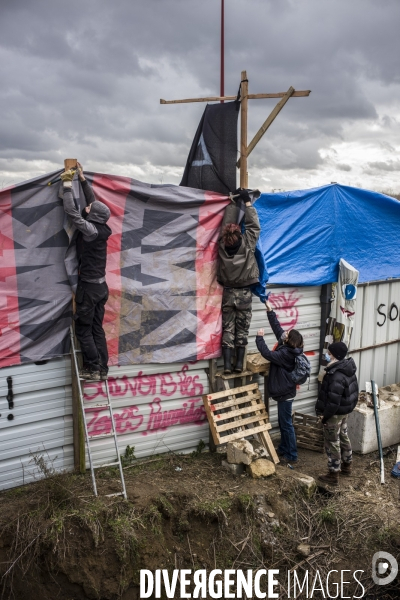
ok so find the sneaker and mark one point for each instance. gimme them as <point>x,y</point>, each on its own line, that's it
<point>103,375</point>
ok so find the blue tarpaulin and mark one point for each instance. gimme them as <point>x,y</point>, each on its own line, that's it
<point>305,233</point>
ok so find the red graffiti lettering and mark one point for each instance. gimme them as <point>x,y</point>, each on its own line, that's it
<point>162,384</point>
<point>284,304</point>
<point>188,413</point>
<point>125,421</point>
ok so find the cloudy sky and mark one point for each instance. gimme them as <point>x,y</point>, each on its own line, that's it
<point>84,79</point>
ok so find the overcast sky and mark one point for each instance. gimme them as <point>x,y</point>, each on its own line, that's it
<point>84,79</point>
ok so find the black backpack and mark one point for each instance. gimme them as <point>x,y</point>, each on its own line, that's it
<point>302,369</point>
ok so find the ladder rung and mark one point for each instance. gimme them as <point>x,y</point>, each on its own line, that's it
<point>117,494</point>
<point>114,464</point>
<point>96,406</point>
<point>102,435</point>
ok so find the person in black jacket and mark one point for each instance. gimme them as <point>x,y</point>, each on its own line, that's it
<point>280,385</point>
<point>336,400</point>
<point>92,291</point>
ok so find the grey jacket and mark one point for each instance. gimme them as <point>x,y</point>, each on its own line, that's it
<point>240,270</point>
<point>99,212</point>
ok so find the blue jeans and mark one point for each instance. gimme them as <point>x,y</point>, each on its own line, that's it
<point>288,446</point>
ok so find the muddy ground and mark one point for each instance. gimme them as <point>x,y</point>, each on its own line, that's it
<point>57,541</point>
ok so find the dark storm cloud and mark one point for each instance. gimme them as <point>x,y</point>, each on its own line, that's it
<point>85,78</point>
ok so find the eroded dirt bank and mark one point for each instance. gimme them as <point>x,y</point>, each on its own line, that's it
<point>57,541</point>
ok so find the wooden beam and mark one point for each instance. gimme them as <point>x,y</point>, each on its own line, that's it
<point>244,90</point>
<point>296,94</point>
<point>267,123</point>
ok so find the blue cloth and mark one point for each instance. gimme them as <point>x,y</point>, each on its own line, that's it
<point>305,233</point>
<point>288,445</point>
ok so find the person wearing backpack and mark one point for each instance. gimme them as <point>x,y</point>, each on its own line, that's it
<point>337,398</point>
<point>281,383</point>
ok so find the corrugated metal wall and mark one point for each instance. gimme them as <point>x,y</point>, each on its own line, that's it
<point>372,328</point>
<point>157,408</point>
<point>42,420</point>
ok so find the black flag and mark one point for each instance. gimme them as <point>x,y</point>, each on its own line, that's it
<point>211,164</point>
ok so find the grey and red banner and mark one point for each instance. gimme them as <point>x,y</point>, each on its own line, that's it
<point>164,303</point>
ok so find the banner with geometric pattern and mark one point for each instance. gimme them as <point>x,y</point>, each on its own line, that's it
<point>165,302</point>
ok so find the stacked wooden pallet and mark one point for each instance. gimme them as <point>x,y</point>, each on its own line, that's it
<point>309,433</point>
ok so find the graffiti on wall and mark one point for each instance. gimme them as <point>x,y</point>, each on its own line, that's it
<point>284,303</point>
<point>154,418</point>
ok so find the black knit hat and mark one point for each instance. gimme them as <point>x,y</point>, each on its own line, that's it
<point>338,350</point>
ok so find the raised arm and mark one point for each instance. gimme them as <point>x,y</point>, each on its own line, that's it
<point>252,224</point>
<point>275,325</point>
<point>88,229</point>
<point>87,189</point>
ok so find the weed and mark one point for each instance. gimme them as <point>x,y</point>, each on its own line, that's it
<point>165,507</point>
<point>153,517</point>
<point>245,501</point>
<point>327,514</point>
<point>199,449</point>
<point>211,509</point>
<point>129,456</point>
<point>124,532</point>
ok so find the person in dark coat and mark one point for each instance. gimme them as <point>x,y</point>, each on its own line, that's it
<point>336,400</point>
<point>92,290</point>
<point>237,272</point>
<point>280,385</point>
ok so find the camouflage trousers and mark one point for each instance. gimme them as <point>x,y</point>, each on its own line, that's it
<point>236,316</point>
<point>337,442</point>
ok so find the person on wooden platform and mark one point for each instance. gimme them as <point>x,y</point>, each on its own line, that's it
<point>237,271</point>
<point>281,386</point>
<point>337,398</point>
<point>92,291</point>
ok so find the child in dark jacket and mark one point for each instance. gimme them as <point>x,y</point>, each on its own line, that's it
<point>280,385</point>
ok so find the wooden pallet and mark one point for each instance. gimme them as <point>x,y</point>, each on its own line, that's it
<point>236,413</point>
<point>309,435</point>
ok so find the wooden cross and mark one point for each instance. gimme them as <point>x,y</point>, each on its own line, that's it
<point>245,149</point>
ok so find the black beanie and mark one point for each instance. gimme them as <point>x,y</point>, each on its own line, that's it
<point>338,350</point>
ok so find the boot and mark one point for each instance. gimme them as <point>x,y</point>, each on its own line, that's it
<point>332,478</point>
<point>240,350</point>
<point>346,469</point>
<point>227,353</point>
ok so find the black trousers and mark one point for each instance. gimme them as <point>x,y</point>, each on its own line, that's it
<point>90,301</point>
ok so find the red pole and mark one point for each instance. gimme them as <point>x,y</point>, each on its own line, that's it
<point>222,86</point>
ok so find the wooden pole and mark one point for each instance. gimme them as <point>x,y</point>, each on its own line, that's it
<point>269,120</point>
<point>70,163</point>
<point>244,90</point>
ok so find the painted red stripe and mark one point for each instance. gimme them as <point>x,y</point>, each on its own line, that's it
<point>113,192</point>
<point>209,292</point>
<point>10,346</point>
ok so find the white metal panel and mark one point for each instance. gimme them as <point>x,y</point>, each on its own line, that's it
<point>157,408</point>
<point>371,328</point>
<point>42,420</point>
